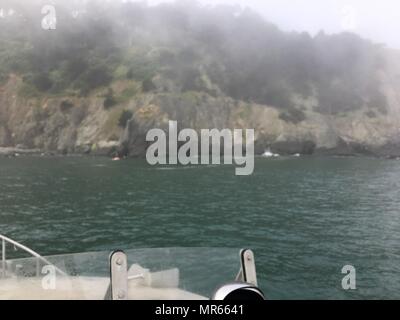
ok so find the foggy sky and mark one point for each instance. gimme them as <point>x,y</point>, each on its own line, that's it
<point>378,20</point>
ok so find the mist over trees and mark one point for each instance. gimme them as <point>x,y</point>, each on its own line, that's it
<point>184,47</point>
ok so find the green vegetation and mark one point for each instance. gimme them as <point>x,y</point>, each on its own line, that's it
<point>293,115</point>
<point>26,90</point>
<point>128,94</point>
<point>125,116</point>
<point>66,105</point>
<point>148,85</point>
<point>237,54</point>
<point>94,77</point>
<point>109,100</point>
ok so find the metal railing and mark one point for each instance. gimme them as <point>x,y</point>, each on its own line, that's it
<point>39,258</point>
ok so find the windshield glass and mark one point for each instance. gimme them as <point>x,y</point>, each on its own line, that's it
<point>167,273</point>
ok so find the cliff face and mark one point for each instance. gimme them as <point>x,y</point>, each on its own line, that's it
<point>73,124</point>
<point>112,71</point>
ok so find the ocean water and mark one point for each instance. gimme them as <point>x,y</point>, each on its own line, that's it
<point>305,218</point>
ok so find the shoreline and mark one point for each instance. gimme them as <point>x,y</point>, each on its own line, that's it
<point>13,152</point>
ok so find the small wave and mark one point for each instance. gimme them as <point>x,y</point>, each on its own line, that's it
<point>18,185</point>
<point>174,168</point>
<point>188,167</point>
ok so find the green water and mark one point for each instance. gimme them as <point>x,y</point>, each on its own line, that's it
<point>305,218</point>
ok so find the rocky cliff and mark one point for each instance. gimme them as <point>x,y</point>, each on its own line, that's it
<point>70,124</point>
<point>107,75</point>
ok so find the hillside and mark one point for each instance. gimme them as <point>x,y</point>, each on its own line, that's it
<point>110,72</point>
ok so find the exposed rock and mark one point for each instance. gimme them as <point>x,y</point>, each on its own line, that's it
<point>15,151</point>
<point>133,140</point>
<point>85,126</point>
<point>293,147</point>
<point>5,136</point>
<point>105,148</point>
<point>390,150</point>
